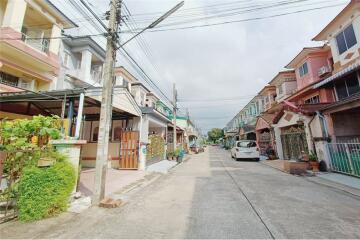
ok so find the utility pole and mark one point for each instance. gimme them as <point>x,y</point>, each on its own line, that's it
<point>106,102</point>
<point>174,113</point>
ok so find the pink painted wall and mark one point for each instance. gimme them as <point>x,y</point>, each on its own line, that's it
<point>314,62</point>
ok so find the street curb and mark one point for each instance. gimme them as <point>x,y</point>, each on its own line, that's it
<point>327,183</point>
<point>334,185</point>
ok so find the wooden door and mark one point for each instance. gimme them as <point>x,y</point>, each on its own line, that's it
<point>129,150</point>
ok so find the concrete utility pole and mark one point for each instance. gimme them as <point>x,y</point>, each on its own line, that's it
<point>174,113</point>
<point>106,102</point>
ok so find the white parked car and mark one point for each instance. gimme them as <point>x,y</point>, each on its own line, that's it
<point>245,149</point>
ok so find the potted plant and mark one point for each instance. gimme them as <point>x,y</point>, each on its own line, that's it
<point>170,155</point>
<point>313,160</point>
<point>177,154</point>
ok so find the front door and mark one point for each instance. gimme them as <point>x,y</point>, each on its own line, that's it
<point>129,150</point>
<point>294,142</point>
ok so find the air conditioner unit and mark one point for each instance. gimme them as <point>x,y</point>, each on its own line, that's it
<point>323,70</point>
<point>27,84</point>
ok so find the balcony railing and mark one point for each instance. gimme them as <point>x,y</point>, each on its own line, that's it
<point>96,76</point>
<point>41,44</point>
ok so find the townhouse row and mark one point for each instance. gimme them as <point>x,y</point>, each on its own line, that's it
<point>312,106</point>
<point>45,71</point>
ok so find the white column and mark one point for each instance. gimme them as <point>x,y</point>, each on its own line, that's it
<point>144,132</point>
<point>85,66</point>
<point>55,40</point>
<point>279,149</point>
<point>14,14</point>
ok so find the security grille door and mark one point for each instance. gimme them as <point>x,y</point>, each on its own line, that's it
<point>129,150</point>
<point>294,142</point>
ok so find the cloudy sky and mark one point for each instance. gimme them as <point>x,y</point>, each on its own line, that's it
<point>227,61</point>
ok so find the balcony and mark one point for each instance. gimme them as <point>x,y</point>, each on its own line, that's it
<point>41,44</point>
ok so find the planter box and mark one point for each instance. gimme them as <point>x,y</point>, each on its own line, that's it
<point>295,167</point>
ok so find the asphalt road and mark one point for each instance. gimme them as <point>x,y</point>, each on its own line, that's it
<point>213,196</point>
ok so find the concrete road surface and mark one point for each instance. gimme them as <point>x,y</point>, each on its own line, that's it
<point>213,196</point>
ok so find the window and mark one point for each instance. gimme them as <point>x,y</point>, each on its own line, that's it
<point>246,144</point>
<point>8,79</point>
<point>348,86</point>
<point>280,87</point>
<point>352,84</point>
<point>313,100</point>
<point>303,70</point>
<point>341,90</point>
<point>346,39</point>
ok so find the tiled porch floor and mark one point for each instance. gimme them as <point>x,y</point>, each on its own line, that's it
<point>115,180</point>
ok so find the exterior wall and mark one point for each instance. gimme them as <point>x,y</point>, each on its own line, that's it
<point>314,62</point>
<point>139,94</point>
<point>342,60</point>
<point>22,55</point>
<point>343,120</point>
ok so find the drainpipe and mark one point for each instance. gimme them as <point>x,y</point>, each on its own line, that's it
<point>323,124</point>
<point>79,116</point>
<point>311,135</point>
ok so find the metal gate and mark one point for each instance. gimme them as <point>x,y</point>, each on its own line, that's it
<point>129,150</point>
<point>345,158</point>
<point>294,142</point>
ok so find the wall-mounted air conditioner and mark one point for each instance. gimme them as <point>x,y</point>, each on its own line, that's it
<point>27,84</point>
<point>323,71</point>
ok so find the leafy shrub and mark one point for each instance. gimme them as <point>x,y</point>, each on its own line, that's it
<point>156,147</point>
<point>45,192</point>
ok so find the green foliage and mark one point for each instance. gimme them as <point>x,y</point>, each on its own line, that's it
<point>215,134</point>
<point>156,147</point>
<point>45,192</point>
<point>312,156</point>
<point>177,152</point>
<point>26,140</point>
<point>170,154</point>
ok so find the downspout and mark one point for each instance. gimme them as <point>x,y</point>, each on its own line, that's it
<point>324,129</point>
<point>311,135</point>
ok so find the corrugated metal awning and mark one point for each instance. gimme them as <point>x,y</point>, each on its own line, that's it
<point>349,69</point>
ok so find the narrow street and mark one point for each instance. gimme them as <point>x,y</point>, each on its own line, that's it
<point>213,196</point>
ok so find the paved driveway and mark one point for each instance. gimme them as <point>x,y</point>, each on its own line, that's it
<point>213,196</point>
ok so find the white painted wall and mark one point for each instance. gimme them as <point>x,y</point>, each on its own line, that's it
<point>354,49</point>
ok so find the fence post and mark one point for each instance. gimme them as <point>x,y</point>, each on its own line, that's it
<point>349,157</point>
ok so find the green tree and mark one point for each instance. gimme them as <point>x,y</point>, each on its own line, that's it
<point>215,134</point>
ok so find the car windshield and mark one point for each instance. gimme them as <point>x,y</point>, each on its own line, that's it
<point>246,144</point>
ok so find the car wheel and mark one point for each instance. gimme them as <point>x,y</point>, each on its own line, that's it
<point>257,159</point>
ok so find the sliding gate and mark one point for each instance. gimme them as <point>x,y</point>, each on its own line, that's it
<point>345,158</point>
<point>129,150</point>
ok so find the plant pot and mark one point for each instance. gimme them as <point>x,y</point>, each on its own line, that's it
<point>46,162</point>
<point>314,166</point>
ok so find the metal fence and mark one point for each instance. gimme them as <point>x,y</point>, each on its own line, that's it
<point>345,158</point>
